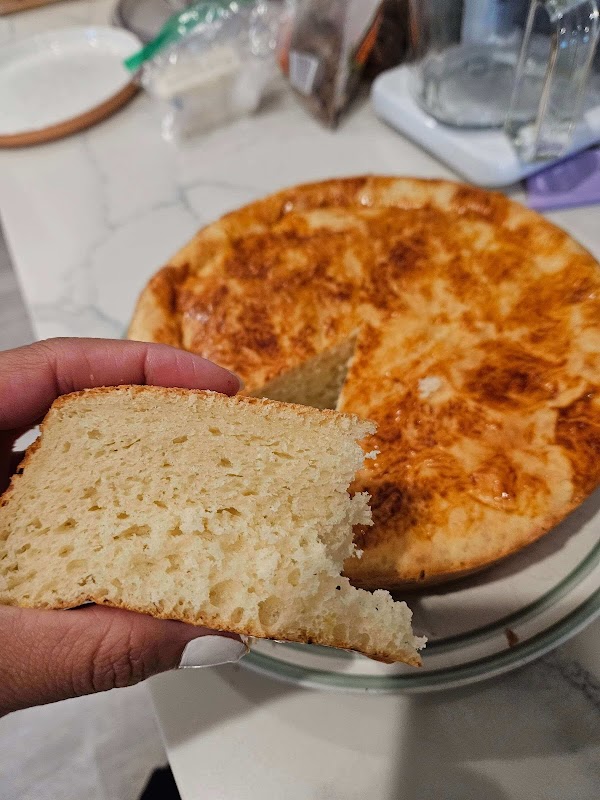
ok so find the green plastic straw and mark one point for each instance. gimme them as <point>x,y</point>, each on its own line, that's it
<point>179,25</point>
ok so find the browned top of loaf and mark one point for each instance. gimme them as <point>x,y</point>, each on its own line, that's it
<point>442,281</point>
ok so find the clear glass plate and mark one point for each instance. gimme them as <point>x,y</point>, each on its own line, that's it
<point>477,628</point>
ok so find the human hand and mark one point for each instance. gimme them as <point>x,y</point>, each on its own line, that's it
<point>51,655</point>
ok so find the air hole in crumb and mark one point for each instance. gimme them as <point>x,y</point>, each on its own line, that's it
<point>133,531</point>
<point>279,454</point>
<point>214,431</point>
<point>16,580</point>
<point>248,494</point>
<point>223,593</point>
<point>67,525</point>
<point>175,564</point>
<point>140,497</point>
<point>229,510</point>
<point>225,462</point>
<point>340,632</point>
<point>180,439</point>
<point>269,611</point>
<point>204,534</point>
<point>236,615</point>
<point>159,503</point>
<point>122,515</point>
<point>94,434</point>
<point>142,563</point>
<point>89,493</point>
<point>23,549</point>
<point>66,447</point>
<point>95,508</point>
<point>232,544</point>
<point>175,531</point>
<point>294,577</point>
<point>76,565</point>
<point>66,550</point>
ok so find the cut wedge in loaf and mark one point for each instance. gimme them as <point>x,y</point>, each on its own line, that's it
<point>232,513</point>
<point>466,326</point>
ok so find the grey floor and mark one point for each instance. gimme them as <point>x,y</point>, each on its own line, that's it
<point>15,328</point>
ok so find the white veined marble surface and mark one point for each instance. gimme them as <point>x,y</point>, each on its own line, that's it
<point>88,219</point>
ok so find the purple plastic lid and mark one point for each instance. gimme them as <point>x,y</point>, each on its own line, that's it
<point>573,182</point>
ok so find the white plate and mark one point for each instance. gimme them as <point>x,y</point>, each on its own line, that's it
<point>57,76</point>
<point>477,628</point>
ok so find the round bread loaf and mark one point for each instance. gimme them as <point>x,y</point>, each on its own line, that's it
<point>466,326</point>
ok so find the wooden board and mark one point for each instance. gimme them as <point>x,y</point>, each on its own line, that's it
<point>12,6</point>
<point>74,125</point>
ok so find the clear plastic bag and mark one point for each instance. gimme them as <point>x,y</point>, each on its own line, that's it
<point>211,64</point>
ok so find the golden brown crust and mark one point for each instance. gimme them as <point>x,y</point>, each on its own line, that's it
<point>478,353</point>
<point>316,416</point>
<point>155,317</point>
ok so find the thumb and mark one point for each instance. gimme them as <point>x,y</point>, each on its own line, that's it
<point>52,655</point>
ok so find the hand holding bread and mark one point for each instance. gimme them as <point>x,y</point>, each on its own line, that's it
<point>229,513</point>
<point>50,655</point>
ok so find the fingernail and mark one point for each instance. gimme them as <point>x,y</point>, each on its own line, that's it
<point>208,651</point>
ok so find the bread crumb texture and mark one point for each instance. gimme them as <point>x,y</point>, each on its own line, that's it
<point>232,513</point>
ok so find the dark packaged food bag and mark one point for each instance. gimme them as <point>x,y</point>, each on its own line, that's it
<point>392,44</point>
<point>324,50</point>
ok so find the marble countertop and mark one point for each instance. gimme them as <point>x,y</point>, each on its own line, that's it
<point>88,219</point>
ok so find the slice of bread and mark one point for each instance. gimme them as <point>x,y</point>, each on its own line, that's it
<point>232,513</point>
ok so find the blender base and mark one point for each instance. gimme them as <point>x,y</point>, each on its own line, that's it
<point>484,157</point>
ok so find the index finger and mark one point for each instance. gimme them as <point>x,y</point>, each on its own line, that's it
<point>32,377</point>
